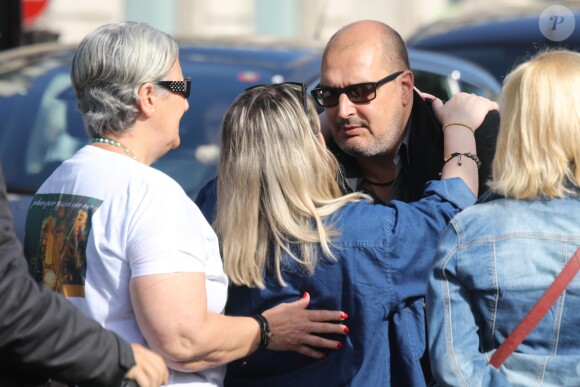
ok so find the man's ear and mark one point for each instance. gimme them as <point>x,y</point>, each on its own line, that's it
<point>147,99</point>
<point>407,86</point>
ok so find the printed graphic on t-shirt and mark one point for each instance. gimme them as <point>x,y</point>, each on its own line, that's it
<point>57,229</point>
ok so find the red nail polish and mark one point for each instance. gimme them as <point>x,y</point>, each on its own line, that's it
<point>304,295</point>
<point>339,345</point>
<point>346,330</point>
<point>343,316</point>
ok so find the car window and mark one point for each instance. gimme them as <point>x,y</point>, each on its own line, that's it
<point>495,42</point>
<point>33,128</point>
<point>445,87</point>
<point>41,127</point>
<point>50,142</point>
<point>433,84</point>
<point>498,60</point>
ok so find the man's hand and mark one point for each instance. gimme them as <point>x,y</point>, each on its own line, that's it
<point>150,369</point>
<point>294,328</point>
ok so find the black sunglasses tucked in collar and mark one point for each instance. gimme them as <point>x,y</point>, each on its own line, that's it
<point>357,93</point>
<point>302,90</point>
<point>179,87</point>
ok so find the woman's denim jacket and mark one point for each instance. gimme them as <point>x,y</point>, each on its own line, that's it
<point>379,277</point>
<point>494,261</point>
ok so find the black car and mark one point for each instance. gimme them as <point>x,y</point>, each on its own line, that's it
<point>498,39</point>
<point>40,125</point>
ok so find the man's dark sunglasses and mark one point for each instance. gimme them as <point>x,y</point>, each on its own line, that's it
<point>302,91</point>
<point>179,87</point>
<point>357,93</point>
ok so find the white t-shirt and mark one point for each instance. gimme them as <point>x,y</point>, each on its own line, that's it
<point>137,221</point>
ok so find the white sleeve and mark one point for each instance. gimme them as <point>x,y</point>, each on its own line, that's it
<point>168,233</point>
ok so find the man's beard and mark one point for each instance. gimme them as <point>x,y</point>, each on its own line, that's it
<point>374,146</point>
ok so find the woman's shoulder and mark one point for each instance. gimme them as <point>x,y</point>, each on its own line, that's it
<point>500,217</point>
<point>150,185</point>
<point>361,209</point>
<point>509,214</point>
<point>362,221</point>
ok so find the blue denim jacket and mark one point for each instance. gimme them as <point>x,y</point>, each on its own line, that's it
<point>495,261</point>
<point>379,279</point>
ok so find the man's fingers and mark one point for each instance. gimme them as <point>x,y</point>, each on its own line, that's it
<point>149,376</point>
<point>149,370</point>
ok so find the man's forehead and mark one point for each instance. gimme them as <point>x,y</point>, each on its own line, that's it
<point>351,66</point>
<point>350,45</point>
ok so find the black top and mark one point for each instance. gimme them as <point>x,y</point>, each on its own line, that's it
<point>421,153</point>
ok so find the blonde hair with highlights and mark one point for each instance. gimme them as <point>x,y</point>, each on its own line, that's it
<point>538,146</point>
<point>276,184</point>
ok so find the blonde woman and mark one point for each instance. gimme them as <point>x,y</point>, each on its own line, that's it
<point>497,258</point>
<point>286,229</point>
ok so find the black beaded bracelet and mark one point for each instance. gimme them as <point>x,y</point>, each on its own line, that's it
<point>468,155</point>
<point>265,333</point>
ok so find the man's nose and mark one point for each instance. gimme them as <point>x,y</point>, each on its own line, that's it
<point>345,106</point>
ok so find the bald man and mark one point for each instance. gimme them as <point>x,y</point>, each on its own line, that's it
<point>390,144</point>
<point>384,133</point>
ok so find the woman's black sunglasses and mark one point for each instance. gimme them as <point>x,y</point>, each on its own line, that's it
<point>179,87</point>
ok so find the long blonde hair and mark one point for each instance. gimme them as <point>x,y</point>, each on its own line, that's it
<point>538,146</point>
<point>276,184</point>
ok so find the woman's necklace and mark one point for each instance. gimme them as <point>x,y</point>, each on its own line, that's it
<point>115,144</point>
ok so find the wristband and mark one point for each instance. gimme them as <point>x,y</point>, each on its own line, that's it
<point>265,333</point>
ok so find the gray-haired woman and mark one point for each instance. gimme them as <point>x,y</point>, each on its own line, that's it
<point>124,242</point>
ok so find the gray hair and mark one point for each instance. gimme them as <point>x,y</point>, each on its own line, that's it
<point>110,65</point>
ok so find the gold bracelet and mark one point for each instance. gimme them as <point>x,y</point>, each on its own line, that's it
<point>458,124</point>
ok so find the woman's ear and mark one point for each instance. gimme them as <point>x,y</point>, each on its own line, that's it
<point>147,99</point>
